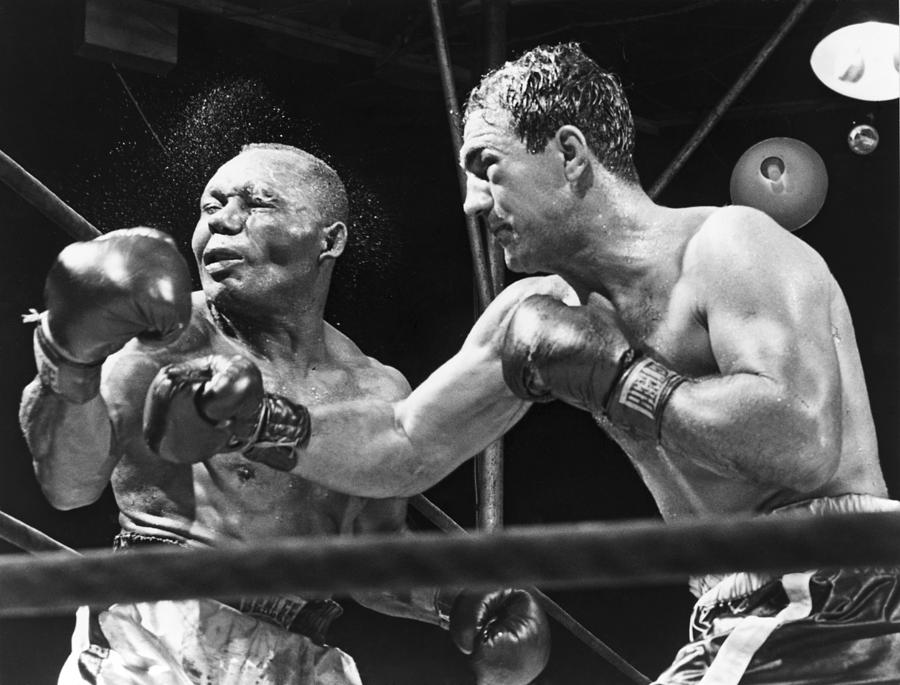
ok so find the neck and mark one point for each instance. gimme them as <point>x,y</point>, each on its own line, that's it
<point>295,334</point>
<point>627,238</point>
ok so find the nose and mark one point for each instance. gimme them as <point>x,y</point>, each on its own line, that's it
<point>228,219</point>
<point>478,196</point>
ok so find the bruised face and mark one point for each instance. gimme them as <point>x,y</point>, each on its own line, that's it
<point>258,237</point>
<point>521,196</point>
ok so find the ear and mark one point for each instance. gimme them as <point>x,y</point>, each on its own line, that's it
<point>334,240</point>
<point>576,154</point>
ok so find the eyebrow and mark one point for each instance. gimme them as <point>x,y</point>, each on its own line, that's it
<point>258,190</point>
<point>246,190</point>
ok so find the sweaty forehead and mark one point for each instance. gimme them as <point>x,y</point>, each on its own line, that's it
<point>486,128</point>
<point>271,170</point>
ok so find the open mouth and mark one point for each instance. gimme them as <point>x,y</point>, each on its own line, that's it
<point>219,260</point>
<point>221,255</point>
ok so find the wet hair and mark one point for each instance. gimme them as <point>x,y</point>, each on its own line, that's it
<point>550,86</point>
<point>324,183</point>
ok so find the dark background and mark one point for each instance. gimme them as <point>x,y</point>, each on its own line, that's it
<point>404,290</point>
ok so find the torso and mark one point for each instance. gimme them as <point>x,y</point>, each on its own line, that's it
<point>229,497</point>
<point>668,325</point>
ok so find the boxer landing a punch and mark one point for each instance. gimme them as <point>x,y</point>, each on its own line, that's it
<point>195,407</point>
<point>714,346</point>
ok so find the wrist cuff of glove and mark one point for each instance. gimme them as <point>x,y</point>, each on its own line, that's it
<point>283,426</point>
<point>640,397</point>
<point>74,381</point>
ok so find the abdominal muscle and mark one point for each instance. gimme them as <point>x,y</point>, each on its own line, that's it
<point>683,489</point>
<point>229,499</point>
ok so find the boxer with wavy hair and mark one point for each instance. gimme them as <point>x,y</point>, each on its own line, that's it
<point>712,345</point>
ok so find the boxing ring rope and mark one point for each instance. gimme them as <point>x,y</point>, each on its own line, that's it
<point>590,554</point>
<point>439,518</point>
<point>46,202</point>
<point>28,538</point>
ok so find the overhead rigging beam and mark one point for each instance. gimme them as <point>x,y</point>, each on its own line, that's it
<point>312,34</point>
<point>716,114</point>
<point>761,109</point>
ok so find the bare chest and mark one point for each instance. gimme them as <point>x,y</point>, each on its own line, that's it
<point>671,328</point>
<point>229,495</point>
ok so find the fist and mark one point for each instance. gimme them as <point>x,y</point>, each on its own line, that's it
<point>202,407</point>
<point>553,351</point>
<point>504,632</point>
<point>103,292</point>
<point>199,408</point>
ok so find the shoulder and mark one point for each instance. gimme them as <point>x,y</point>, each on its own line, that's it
<point>371,375</point>
<point>736,240</point>
<point>385,381</point>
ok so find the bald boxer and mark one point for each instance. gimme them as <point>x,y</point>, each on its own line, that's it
<point>194,407</point>
<point>713,346</point>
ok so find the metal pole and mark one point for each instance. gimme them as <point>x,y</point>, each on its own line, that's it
<point>495,12</point>
<point>489,464</point>
<point>479,262</point>
<point>713,118</point>
<point>46,202</point>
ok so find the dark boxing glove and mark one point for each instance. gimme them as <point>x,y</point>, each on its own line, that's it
<point>202,407</point>
<point>103,292</point>
<point>579,355</point>
<point>504,632</point>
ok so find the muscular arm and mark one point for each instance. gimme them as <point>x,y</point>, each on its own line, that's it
<point>388,449</point>
<point>69,443</point>
<point>74,447</point>
<point>774,414</point>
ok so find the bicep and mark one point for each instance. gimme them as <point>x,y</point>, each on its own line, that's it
<point>69,444</point>
<point>464,405</point>
<point>768,312</point>
<point>772,412</point>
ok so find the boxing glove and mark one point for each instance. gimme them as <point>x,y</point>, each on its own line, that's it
<point>101,293</point>
<point>504,632</point>
<point>202,407</point>
<point>579,355</point>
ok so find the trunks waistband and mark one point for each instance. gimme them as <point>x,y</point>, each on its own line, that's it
<point>716,588</point>
<point>310,618</point>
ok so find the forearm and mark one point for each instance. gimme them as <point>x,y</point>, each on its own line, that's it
<point>69,443</point>
<point>750,427</point>
<point>374,448</point>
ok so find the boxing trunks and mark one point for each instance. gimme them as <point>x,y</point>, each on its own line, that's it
<point>818,627</point>
<point>265,641</point>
